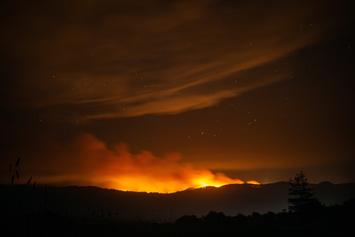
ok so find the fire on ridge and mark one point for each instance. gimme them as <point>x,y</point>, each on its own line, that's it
<point>90,161</point>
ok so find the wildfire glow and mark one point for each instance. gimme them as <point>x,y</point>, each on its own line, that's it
<point>253,182</point>
<point>116,167</point>
<point>143,183</point>
<point>193,178</point>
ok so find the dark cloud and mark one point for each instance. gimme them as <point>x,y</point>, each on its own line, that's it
<point>121,59</point>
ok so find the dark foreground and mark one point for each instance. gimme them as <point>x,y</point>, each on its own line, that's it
<point>323,221</point>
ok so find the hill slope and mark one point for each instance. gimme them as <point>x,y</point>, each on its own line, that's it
<point>93,201</point>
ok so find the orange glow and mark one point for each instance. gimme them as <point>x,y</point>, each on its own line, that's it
<point>116,167</point>
<point>253,182</point>
<point>145,184</point>
<point>213,180</point>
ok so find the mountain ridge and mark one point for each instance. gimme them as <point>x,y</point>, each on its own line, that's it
<point>231,199</point>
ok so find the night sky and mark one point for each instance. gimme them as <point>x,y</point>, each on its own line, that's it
<point>256,90</point>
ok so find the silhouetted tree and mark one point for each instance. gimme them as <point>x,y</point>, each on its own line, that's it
<point>187,220</point>
<point>217,218</point>
<point>14,171</point>
<point>15,174</point>
<point>301,197</point>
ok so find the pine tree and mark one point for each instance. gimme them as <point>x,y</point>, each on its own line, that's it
<point>301,197</point>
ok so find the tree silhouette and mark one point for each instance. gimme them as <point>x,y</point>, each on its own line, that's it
<point>14,171</point>
<point>301,197</point>
<point>15,174</point>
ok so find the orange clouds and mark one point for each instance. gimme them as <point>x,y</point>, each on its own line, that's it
<point>89,161</point>
<point>154,57</point>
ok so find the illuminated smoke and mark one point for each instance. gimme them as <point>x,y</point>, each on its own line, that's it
<point>116,167</point>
